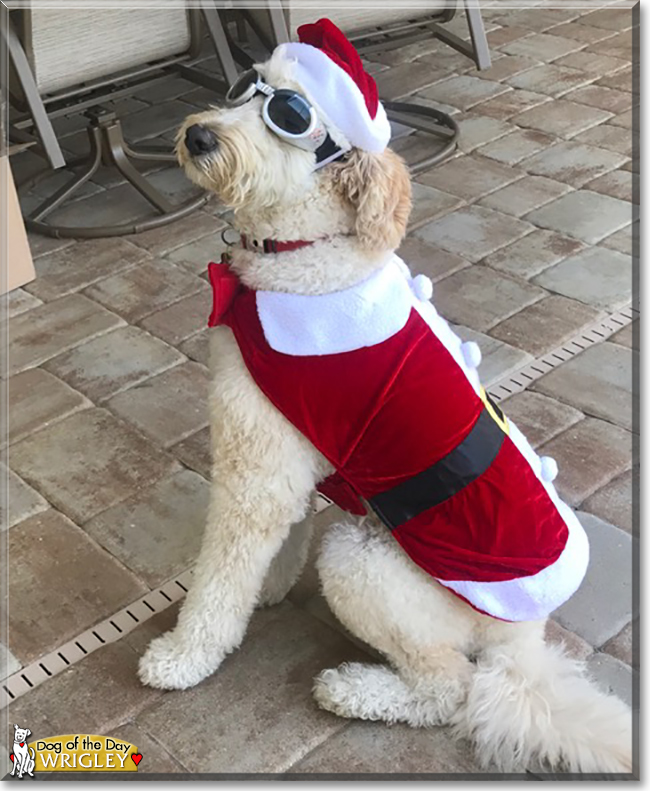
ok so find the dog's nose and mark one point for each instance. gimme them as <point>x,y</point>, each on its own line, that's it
<point>200,140</point>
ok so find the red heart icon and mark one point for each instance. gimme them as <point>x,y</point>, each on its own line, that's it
<point>12,757</point>
<point>136,758</point>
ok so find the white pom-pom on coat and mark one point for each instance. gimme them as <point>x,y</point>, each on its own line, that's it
<point>471,354</point>
<point>422,287</point>
<point>549,469</point>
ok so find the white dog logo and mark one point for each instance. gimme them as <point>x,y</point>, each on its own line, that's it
<point>23,755</point>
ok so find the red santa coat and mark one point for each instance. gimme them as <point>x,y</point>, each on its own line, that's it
<point>378,382</point>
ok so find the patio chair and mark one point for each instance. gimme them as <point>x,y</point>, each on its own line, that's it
<point>373,28</point>
<point>65,61</point>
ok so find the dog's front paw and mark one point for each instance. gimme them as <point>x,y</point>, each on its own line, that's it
<point>170,663</point>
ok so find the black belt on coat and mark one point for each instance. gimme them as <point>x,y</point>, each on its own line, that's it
<point>464,464</point>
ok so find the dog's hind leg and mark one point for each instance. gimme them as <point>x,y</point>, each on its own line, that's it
<point>384,599</point>
<point>287,565</point>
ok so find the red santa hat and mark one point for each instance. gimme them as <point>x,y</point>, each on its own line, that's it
<point>330,72</point>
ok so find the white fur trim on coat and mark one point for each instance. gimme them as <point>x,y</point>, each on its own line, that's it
<point>364,315</point>
<point>534,597</point>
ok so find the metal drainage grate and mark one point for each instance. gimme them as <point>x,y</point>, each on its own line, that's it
<point>108,631</point>
<point>527,374</point>
<point>127,619</point>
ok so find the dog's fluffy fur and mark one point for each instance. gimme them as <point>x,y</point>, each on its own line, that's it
<point>518,699</point>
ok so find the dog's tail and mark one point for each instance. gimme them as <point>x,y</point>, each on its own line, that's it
<point>527,708</point>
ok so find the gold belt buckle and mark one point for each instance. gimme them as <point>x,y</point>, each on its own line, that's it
<point>495,412</point>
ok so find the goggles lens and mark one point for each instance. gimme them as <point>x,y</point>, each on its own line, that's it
<point>241,89</point>
<point>289,112</point>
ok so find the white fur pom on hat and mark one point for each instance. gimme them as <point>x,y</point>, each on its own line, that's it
<point>330,71</point>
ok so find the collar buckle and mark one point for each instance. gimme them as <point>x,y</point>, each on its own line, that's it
<point>271,245</point>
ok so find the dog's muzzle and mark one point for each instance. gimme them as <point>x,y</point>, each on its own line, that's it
<point>199,140</point>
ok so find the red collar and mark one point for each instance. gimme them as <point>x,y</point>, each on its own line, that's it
<point>271,245</point>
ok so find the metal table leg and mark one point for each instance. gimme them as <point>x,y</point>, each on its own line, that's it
<point>107,146</point>
<point>426,119</point>
<point>61,195</point>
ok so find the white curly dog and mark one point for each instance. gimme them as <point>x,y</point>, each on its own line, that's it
<point>497,683</point>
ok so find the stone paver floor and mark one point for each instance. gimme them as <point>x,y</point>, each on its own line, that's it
<point>527,234</point>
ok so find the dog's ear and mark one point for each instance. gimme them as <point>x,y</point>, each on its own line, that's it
<point>27,732</point>
<point>379,188</point>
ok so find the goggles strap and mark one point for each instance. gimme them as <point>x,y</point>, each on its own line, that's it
<point>327,152</point>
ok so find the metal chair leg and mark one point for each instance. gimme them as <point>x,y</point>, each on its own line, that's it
<point>477,33</point>
<point>34,101</point>
<point>218,36</point>
<point>279,23</point>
